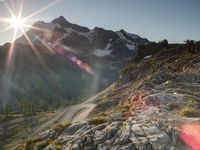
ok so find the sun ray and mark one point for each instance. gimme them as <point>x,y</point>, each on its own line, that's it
<point>8,65</point>
<point>4,19</point>
<point>39,29</point>
<point>33,27</point>
<point>32,45</point>
<point>46,45</point>
<point>9,10</point>
<point>18,23</point>
<point>20,9</point>
<point>43,9</point>
<point>6,29</point>
<point>10,53</point>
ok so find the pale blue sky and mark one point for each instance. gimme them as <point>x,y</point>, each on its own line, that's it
<point>175,20</point>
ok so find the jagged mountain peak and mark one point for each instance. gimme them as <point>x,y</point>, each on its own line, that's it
<point>60,20</point>
<point>121,43</point>
<point>66,24</point>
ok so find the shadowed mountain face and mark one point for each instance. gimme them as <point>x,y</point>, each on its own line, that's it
<point>64,61</point>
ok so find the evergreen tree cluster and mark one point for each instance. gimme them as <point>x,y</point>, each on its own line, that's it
<point>193,46</point>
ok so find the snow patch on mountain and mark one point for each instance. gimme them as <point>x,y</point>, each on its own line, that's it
<point>130,46</point>
<point>110,40</point>
<point>121,36</point>
<point>69,30</point>
<point>108,46</point>
<point>88,35</point>
<point>106,52</point>
<point>102,53</point>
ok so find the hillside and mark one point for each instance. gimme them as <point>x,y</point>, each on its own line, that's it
<point>153,106</point>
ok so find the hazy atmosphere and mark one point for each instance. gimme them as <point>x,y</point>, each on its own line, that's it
<point>99,75</point>
<point>154,19</point>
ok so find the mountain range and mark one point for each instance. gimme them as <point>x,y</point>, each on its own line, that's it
<point>61,61</point>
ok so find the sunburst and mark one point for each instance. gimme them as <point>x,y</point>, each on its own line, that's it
<point>19,24</point>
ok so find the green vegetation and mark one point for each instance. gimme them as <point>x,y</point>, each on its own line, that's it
<point>104,106</point>
<point>189,112</point>
<point>5,118</point>
<point>192,46</point>
<point>58,146</point>
<point>37,143</point>
<point>192,101</point>
<point>58,127</point>
<point>40,143</point>
<point>129,67</point>
<point>29,107</point>
<point>122,107</point>
<point>6,110</point>
<point>29,143</point>
<point>125,109</point>
<point>97,120</point>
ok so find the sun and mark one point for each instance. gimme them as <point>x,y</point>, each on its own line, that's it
<point>17,22</point>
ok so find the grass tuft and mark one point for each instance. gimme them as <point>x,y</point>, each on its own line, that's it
<point>97,120</point>
<point>189,112</point>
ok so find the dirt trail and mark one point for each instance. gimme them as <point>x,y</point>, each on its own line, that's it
<point>74,113</point>
<point>77,113</point>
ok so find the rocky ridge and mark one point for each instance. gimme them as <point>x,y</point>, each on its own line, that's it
<point>154,106</point>
<point>130,134</point>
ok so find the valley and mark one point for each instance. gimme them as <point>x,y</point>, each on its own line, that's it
<point>99,75</point>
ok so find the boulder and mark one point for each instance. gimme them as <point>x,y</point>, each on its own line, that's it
<point>151,130</point>
<point>124,138</point>
<point>50,147</point>
<point>137,130</point>
<point>98,127</point>
<point>74,127</point>
<point>129,146</point>
<point>48,134</point>
<point>111,131</point>
<point>162,98</point>
<point>99,137</point>
<point>75,147</point>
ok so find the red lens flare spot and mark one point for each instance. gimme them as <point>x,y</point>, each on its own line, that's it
<point>190,134</point>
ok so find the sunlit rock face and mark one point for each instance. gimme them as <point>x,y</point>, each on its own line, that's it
<point>62,60</point>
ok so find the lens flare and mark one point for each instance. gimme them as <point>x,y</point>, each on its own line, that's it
<point>80,64</point>
<point>57,48</point>
<point>60,49</point>
<point>18,23</point>
<point>190,134</point>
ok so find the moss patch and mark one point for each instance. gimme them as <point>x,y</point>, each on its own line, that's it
<point>189,112</point>
<point>97,120</point>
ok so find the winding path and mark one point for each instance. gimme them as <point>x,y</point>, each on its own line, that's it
<point>74,113</point>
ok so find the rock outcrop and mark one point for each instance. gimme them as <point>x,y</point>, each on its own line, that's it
<point>154,106</point>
